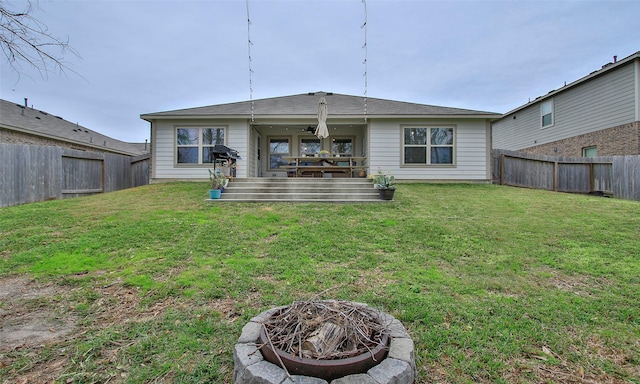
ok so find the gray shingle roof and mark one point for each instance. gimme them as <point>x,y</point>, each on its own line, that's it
<point>32,121</point>
<point>307,104</point>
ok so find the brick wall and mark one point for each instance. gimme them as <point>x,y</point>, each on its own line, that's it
<point>620,140</point>
<point>15,137</point>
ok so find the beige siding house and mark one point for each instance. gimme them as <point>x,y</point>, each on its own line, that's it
<point>597,115</point>
<point>413,141</point>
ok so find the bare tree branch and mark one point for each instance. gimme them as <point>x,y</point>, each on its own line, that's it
<point>25,40</point>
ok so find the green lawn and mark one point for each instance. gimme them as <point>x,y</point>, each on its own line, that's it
<point>494,284</point>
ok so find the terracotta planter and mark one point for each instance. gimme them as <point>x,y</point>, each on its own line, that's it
<point>325,369</point>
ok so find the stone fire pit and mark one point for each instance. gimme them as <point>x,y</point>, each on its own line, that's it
<point>250,366</point>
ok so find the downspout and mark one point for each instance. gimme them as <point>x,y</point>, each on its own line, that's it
<point>488,166</point>
<point>152,166</point>
<point>637,86</point>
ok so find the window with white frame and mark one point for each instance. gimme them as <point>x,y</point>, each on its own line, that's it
<point>546,113</point>
<point>278,148</point>
<point>195,145</point>
<point>428,145</point>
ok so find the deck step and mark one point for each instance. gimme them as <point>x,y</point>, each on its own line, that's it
<point>292,189</point>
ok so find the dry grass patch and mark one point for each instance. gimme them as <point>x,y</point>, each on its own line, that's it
<point>118,304</point>
<point>226,307</point>
<point>33,316</point>
<point>32,313</point>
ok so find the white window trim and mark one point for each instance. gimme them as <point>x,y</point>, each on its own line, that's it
<point>429,146</point>
<point>553,114</point>
<point>200,145</point>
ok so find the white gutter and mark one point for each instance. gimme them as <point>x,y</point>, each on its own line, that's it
<point>151,118</point>
<point>637,77</point>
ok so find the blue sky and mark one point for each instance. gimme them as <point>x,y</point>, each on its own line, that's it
<point>148,56</point>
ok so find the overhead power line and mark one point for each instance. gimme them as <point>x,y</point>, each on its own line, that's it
<point>364,26</point>
<point>249,44</point>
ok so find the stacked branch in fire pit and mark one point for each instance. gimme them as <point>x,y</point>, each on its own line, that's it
<point>325,330</point>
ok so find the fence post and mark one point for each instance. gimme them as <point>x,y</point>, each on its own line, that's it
<point>103,176</point>
<point>502,169</point>
<point>556,172</point>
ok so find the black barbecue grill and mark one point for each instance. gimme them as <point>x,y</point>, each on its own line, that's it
<point>222,153</point>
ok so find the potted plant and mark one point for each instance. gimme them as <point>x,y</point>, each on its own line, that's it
<point>217,181</point>
<point>384,182</point>
<point>324,153</point>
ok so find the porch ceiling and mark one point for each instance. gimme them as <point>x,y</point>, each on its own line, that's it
<point>298,127</point>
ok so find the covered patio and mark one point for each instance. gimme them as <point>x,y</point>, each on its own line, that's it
<point>293,150</point>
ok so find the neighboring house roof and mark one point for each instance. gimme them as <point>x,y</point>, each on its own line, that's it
<point>306,105</point>
<point>39,123</point>
<point>142,147</point>
<point>597,73</point>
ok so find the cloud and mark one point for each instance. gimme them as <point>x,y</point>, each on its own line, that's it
<point>149,56</point>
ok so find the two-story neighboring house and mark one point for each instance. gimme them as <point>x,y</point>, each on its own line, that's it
<point>597,115</point>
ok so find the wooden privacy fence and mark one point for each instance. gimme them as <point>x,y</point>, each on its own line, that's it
<point>30,173</point>
<point>618,176</point>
